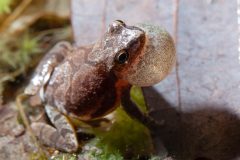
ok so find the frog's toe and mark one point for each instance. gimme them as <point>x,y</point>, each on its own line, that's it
<point>49,136</point>
<point>68,147</point>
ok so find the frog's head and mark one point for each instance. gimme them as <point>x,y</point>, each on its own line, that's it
<point>119,47</point>
<point>142,55</point>
<point>124,44</point>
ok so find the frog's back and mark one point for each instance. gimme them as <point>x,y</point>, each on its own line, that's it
<point>80,88</point>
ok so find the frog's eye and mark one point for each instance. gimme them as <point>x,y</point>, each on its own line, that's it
<point>122,57</point>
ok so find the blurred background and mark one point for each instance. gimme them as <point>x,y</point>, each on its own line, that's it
<point>199,101</point>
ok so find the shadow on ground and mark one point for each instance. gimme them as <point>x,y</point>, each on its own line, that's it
<point>208,133</point>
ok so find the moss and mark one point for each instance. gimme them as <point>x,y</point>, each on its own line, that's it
<point>126,137</point>
<point>64,156</point>
<point>156,158</point>
<point>37,156</point>
<point>17,53</point>
<point>16,56</point>
<point>96,150</point>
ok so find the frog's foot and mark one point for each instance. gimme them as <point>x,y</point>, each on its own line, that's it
<point>49,136</point>
<point>63,137</point>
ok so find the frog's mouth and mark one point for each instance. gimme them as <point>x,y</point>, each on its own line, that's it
<point>157,60</point>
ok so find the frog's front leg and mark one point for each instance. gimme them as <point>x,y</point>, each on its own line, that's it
<point>46,66</point>
<point>63,137</point>
<point>132,109</point>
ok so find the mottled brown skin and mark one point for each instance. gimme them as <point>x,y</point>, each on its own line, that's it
<point>86,83</point>
<point>87,88</point>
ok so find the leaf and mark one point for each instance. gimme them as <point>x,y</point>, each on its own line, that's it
<point>5,6</point>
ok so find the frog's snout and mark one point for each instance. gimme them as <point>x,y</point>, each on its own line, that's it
<point>115,25</point>
<point>157,60</point>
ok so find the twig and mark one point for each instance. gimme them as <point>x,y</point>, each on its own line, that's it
<point>15,14</point>
<point>20,98</point>
<point>175,24</point>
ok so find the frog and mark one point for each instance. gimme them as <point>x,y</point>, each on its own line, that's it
<point>90,82</point>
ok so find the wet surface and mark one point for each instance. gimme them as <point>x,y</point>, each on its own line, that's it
<point>14,144</point>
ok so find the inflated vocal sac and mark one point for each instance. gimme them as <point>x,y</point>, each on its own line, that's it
<point>157,59</point>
